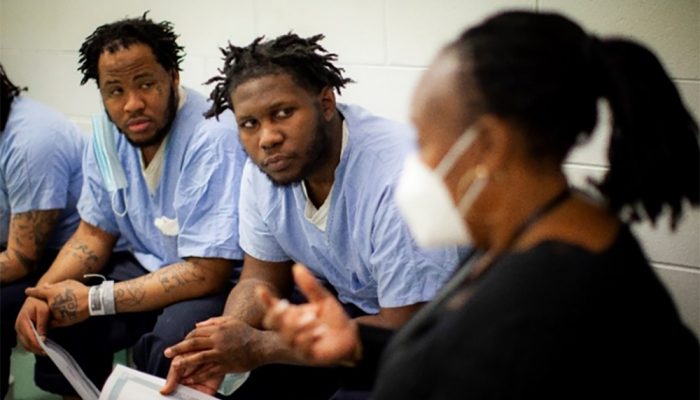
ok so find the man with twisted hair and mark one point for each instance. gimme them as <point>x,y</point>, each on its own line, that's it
<point>317,190</point>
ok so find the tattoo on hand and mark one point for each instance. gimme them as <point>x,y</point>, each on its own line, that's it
<point>66,305</point>
<point>179,275</point>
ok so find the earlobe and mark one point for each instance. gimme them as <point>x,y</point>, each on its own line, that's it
<point>175,76</point>
<point>328,102</point>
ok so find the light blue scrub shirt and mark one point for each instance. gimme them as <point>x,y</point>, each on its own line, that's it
<point>199,188</point>
<point>40,167</point>
<point>366,252</point>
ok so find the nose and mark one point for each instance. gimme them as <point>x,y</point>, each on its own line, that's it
<point>134,103</point>
<point>270,137</point>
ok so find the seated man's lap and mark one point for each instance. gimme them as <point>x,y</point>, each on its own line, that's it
<point>298,382</point>
<point>94,341</point>
<point>13,293</point>
<point>172,325</point>
<point>277,381</point>
<point>11,301</point>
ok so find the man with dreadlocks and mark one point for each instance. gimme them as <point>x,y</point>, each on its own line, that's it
<point>158,213</point>
<point>40,180</point>
<point>317,190</point>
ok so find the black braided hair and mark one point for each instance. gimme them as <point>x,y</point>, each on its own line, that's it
<point>159,36</point>
<point>8,91</point>
<point>304,59</point>
<point>542,72</point>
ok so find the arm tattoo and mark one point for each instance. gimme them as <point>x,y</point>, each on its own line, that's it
<point>30,232</point>
<point>29,264</point>
<point>131,293</point>
<point>66,305</point>
<point>87,257</point>
<point>180,274</point>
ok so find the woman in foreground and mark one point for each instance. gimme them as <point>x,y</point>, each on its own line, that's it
<point>560,300</point>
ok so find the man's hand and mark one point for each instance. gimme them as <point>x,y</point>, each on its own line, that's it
<point>196,379</point>
<point>215,347</point>
<point>67,300</point>
<point>319,330</point>
<point>36,311</point>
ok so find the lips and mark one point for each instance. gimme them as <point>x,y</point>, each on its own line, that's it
<point>138,125</point>
<point>276,163</point>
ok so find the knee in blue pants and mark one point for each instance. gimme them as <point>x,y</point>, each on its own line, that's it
<point>10,303</point>
<point>171,327</point>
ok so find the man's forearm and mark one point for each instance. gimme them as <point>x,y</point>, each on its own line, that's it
<point>171,284</point>
<point>274,350</point>
<point>243,304</point>
<point>390,318</point>
<point>86,252</point>
<point>10,269</point>
<point>75,259</point>
<point>376,321</point>
<point>27,239</point>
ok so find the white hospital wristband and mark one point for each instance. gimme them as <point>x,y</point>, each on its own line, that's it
<point>101,299</point>
<point>95,301</point>
<point>108,297</point>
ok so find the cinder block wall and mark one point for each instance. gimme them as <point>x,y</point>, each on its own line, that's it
<point>383,44</point>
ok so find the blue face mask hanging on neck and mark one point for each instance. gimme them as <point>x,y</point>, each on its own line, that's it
<point>105,149</point>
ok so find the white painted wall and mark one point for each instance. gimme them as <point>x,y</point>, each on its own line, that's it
<point>383,44</point>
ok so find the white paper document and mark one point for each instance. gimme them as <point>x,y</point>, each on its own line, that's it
<point>124,383</point>
<point>128,384</point>
<point>68,367</point>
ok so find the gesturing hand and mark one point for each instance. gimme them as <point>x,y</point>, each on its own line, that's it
<point>319,330</point>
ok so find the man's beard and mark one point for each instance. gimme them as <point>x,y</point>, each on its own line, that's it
<point>161,133</point>
<point>316,154</point>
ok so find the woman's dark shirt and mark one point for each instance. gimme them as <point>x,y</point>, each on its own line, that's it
<point>555,321</point>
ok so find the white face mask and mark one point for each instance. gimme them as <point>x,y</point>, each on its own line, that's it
<point>426,204</point>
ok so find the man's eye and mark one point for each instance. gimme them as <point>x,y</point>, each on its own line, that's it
<point>284,113</point>
<point>249,124</point>
<point>146,85</point>
<point>115,92</point>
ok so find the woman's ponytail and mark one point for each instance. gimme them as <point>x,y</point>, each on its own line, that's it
<point>654,148</point>
<point>546,74</point>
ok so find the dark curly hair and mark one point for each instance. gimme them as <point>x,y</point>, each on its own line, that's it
<point>111,37</point>
<point>542,72</point>
<point>8,91</point>
<point>306,61</point>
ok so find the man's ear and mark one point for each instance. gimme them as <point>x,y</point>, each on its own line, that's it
<point>327,98</point>
<point>175,76</point>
